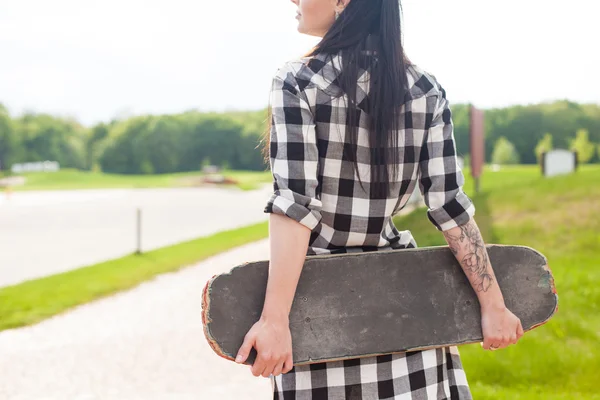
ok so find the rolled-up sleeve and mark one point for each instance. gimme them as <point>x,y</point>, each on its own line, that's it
<point>441,178</point>
<point>294,156</point>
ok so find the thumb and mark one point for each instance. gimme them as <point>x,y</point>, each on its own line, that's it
<point>244,351</point>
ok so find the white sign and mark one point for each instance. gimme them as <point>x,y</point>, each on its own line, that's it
<point>211,169</point>
<point>558,162</point>
<point>41,166</point>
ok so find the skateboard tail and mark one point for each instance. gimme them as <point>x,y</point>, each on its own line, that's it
<point>206,320</point>
<point>548,281</point>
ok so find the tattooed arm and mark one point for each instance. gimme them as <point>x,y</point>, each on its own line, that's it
<point>500,326</point>
<point>467,245</point>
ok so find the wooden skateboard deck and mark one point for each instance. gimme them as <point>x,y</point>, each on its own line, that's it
<point>382,302</point>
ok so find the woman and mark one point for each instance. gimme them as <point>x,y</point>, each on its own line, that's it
<point>333,113</point>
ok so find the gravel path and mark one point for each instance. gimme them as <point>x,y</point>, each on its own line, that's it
<point>146,343</point>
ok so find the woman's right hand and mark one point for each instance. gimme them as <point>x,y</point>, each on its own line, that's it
<point>500,326</point>
<point>272,340</point>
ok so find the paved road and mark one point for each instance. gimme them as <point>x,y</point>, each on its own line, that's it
<point>43,233</point>
<point>145,344</point>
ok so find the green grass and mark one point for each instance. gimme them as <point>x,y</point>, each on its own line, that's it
<point>75,179</point>
<point>35,300</point>
<point>561,218</point>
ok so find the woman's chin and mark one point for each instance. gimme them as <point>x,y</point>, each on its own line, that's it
<point>301,29</point>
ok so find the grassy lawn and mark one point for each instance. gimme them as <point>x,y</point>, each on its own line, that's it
<point>75,179</point>
<point>561,218</point>
<point>35,300</point>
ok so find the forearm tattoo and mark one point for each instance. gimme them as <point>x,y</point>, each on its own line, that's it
<point>469,245</point>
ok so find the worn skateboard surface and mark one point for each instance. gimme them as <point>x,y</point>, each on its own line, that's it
<point>362,304</point>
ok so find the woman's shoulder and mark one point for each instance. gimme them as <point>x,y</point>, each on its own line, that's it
<point>288,71</point>
<point>318,71</point>
<point>300,67</point>
<point>422,83</point>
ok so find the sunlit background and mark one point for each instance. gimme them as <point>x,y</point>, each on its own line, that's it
<point>129,149</point>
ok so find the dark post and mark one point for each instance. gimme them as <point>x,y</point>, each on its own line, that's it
<point>139,231</point>
<point>477,146</point>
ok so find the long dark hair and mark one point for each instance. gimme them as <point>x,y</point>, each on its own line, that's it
<point>369,32</point>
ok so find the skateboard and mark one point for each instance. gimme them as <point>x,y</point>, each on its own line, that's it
<point>356,305</point>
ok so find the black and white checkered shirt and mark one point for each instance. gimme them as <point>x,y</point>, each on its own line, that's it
<point>316,186</point>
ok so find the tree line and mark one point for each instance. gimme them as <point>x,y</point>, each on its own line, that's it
<point>182,142</point>
<point>148,144</point>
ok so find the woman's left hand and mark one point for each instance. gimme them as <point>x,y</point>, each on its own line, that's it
<point>500,327</point>
<point>272,340</point>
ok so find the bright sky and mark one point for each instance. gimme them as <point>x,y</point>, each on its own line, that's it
<point>96,59</point>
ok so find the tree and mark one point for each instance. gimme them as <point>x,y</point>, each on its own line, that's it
<point>125,153</point>
<point>97,135</point>
<point>8,140</point>
<point>543,146</point>
<point>44,137</point>
<point>504,152</point>
<point>582,146</point>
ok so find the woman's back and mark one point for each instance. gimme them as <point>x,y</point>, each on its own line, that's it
<point>316,184</point>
